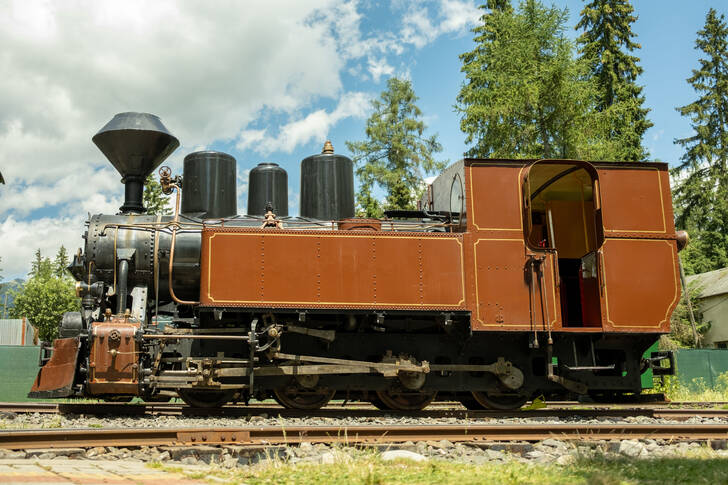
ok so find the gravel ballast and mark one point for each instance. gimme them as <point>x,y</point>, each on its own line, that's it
<point>549,451</point>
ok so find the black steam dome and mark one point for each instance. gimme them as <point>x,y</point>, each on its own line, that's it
<point>327,186</point>
<point>268,184</point>
<point>210,185</point>
<point>135,144</point>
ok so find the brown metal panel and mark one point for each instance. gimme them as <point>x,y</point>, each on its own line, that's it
<point>502,297</point>
<point>239,263</point>
<point>307,269</point>
<point>633,201</point>
<point>347,271</point>
<point>641,284</point>
<point>494,197</point>
<point>113,359</point>
<point>502,293</point>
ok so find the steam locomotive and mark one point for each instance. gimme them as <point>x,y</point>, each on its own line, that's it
<point>514,277</point>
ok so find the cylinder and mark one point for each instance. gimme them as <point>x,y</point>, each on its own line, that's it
<point>268,185</point>
<point>209,185</point>
<point>327,186</point>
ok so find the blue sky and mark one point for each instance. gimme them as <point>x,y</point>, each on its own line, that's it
<point>264,81</point>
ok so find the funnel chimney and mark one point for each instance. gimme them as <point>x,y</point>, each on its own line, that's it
<point>135,143</point>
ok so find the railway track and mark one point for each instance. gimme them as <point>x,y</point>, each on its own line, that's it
<point>352,435</point>
<point>453,410</point>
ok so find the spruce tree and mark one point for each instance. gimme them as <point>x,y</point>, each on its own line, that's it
<point>701,192</point>
<point>605,45</point>
<point>61,263</point>
<point>396,155</point>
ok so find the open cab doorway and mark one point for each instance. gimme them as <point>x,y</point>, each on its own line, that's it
<point>562,213</point>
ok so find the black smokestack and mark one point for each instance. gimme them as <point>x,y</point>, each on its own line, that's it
<point>136,144</point>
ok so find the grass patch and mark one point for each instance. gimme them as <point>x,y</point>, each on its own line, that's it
<point>369,469</point>
<point>698,390</point>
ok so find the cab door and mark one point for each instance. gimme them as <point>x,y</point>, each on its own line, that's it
<point>563,227</point>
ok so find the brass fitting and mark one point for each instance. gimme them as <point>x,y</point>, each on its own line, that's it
<point>683,239</point>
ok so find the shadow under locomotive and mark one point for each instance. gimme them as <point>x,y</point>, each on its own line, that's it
<point>515,277</point>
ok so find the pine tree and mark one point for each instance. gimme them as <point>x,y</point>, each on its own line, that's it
<point>701,192</point>
<point>606,44</point>
<point>154,199</point>
<point>396,154</point>
<point>525,95</point>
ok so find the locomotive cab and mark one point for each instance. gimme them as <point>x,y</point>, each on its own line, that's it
<point>562,212</point>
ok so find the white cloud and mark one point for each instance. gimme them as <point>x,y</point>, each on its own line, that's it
<point>458,15</point>
<point>248,139</point>
<point>313,127</point>
<point>421,27</point>
<point>87,192</point>
<point>379,68</point>
<point>242,190</point>
<point>206,69</point>
<point>418,28</point>
<point>20,239</point>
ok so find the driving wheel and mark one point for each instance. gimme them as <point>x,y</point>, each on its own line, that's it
<point>403,401</point>
<point>307,399</point>
<point>498,401</point>
<point>198,398</point>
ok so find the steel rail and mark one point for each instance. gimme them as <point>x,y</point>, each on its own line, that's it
<point>352,435</point>
<point>592,412</point>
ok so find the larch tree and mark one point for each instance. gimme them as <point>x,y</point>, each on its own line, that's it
<point>701,189</point>
<point>606,44</point>
<point>396,155</point>
<point>525,95</point>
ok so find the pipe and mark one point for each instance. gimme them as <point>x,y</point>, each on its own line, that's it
<point>686,296</point>
<point>171,249</point>
<point>544,302</point>
<point>194,337</point>
<point>121,296</point>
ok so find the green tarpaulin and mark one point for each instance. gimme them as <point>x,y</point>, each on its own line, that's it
<point>696,364</point>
